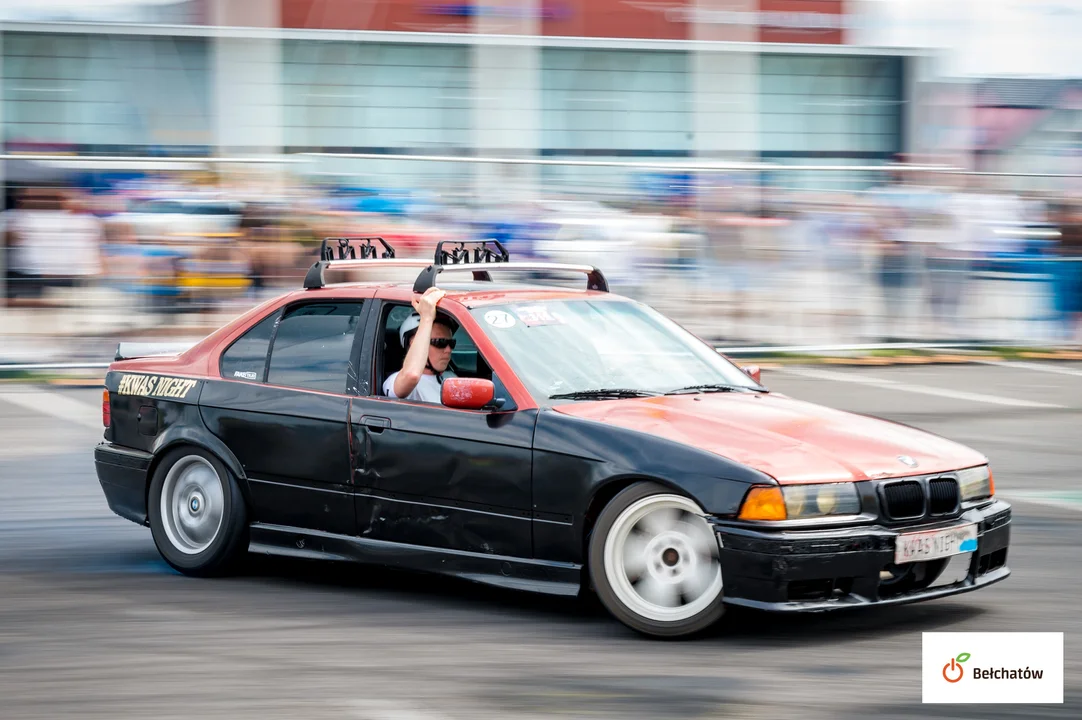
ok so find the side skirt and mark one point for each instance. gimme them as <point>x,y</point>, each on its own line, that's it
<point>541,576</point>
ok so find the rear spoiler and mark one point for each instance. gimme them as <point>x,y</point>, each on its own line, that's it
<point>130,350</point>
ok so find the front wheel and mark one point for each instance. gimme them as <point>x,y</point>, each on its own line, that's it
<point>197,513</point>
<point>654,562</point>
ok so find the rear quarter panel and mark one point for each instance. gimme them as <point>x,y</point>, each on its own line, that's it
<point>145,405</point>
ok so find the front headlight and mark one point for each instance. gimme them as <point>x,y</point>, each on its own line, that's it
<point>800,502</point>
<point>812,501</point>
<point>976,483</point>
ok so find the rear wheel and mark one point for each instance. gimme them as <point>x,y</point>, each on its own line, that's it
<point>654,562</point>
<point>197,513</point>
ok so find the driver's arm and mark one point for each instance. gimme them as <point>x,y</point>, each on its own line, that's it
<point>413,367</point>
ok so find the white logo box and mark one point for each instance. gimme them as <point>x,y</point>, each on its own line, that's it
<point>1001,667</point>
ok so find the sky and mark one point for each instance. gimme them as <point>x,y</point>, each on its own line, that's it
<point>981,38</point>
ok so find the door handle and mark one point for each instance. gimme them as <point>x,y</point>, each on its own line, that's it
<point>375,424</point>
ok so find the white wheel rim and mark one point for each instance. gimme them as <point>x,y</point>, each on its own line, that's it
<point>661,559</point>
<point>192,504</point>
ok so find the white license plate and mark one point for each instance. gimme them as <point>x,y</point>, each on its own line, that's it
<point>935,544</point>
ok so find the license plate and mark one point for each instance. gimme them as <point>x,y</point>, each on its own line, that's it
<point>935,544</point>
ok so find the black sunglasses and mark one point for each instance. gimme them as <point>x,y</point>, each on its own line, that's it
<point>441,343</point>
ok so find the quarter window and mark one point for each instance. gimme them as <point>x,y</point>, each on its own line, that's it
<point>246,358</point>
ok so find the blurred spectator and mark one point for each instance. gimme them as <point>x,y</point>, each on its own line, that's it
<point>1068,271</point>
<point>80,243</point>
<point>916,258</point>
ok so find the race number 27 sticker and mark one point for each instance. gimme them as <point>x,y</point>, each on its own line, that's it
<point>500,319</point>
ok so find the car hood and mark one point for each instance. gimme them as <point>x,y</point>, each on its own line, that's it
<point>790,440</point>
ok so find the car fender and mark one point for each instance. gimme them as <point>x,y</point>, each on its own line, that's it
<point>580,464</point>
<point>591,455</point>
<point>200,437</point>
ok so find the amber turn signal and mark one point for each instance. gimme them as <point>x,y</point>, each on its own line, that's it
<point>991,483</point>
<point>763,503</point>
<point>106,416</point>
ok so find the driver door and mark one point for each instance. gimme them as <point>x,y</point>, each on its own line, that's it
<point>440,477</point>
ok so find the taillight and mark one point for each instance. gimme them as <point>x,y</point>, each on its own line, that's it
<point>106,416</point>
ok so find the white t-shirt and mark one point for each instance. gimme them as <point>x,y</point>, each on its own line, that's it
<point>427,390</point>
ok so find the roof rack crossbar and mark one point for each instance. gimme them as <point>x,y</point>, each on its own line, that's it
<point>345,248</point>
<point>595,280</point>
<point>313,280</point>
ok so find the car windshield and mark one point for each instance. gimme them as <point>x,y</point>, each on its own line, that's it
<point>586,347</point>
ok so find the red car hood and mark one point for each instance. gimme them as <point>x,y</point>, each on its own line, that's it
<point>790,440</point>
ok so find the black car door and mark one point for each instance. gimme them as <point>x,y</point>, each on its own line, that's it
<point>439,477</point>
<point>284,412</point>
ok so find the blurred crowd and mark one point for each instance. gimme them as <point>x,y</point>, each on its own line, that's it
<point>913,257</point>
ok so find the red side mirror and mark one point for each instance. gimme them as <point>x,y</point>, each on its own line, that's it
<point>466,393</point>
<point>753,372</point>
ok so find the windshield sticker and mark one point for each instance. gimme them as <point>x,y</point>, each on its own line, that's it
<point>500,319</point>
<point>534,315</point>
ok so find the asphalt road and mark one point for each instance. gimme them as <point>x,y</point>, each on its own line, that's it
<point>93,624</point>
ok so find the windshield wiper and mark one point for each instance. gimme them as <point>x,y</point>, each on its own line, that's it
<point>708,387</point>
<point>617,393</point>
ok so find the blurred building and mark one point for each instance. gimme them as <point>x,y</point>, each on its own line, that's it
<point>1030,126</point>
<point>739,79</point>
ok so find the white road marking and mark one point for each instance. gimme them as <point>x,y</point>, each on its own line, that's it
<point>370,709</point>
<point>1052,498</point>
<point>1038,367</point>
<point>913,388</point>
<point>57,405</point>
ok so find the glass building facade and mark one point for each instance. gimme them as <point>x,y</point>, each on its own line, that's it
<point>102,91</point>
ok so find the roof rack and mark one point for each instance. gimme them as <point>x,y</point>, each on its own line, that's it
<point>497,258</point>
<point>473,256</point>
<point>347,249</point>
<point>482,253</point>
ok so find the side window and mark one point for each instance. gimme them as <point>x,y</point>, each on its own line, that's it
<point>246,358</point>
<point>465,360</point>
<point>313,345</point>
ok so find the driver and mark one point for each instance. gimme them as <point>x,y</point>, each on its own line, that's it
<point>428,340</point>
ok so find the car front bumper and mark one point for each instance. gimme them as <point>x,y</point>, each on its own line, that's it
<point>832,569</point>
<point>122,473</point>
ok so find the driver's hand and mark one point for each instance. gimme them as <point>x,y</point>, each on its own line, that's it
<point>426,304</point>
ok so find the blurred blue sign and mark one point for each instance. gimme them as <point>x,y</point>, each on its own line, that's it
<point>547,11</point>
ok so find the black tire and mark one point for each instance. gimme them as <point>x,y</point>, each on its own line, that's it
<point>611,599</point>
<point>230,540</point>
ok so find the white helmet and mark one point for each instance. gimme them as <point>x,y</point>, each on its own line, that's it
<point>408,325</point>
<point>411,324</point>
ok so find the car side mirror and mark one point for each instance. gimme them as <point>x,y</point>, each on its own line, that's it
<point>753,372</point>
<point>467,393</point>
